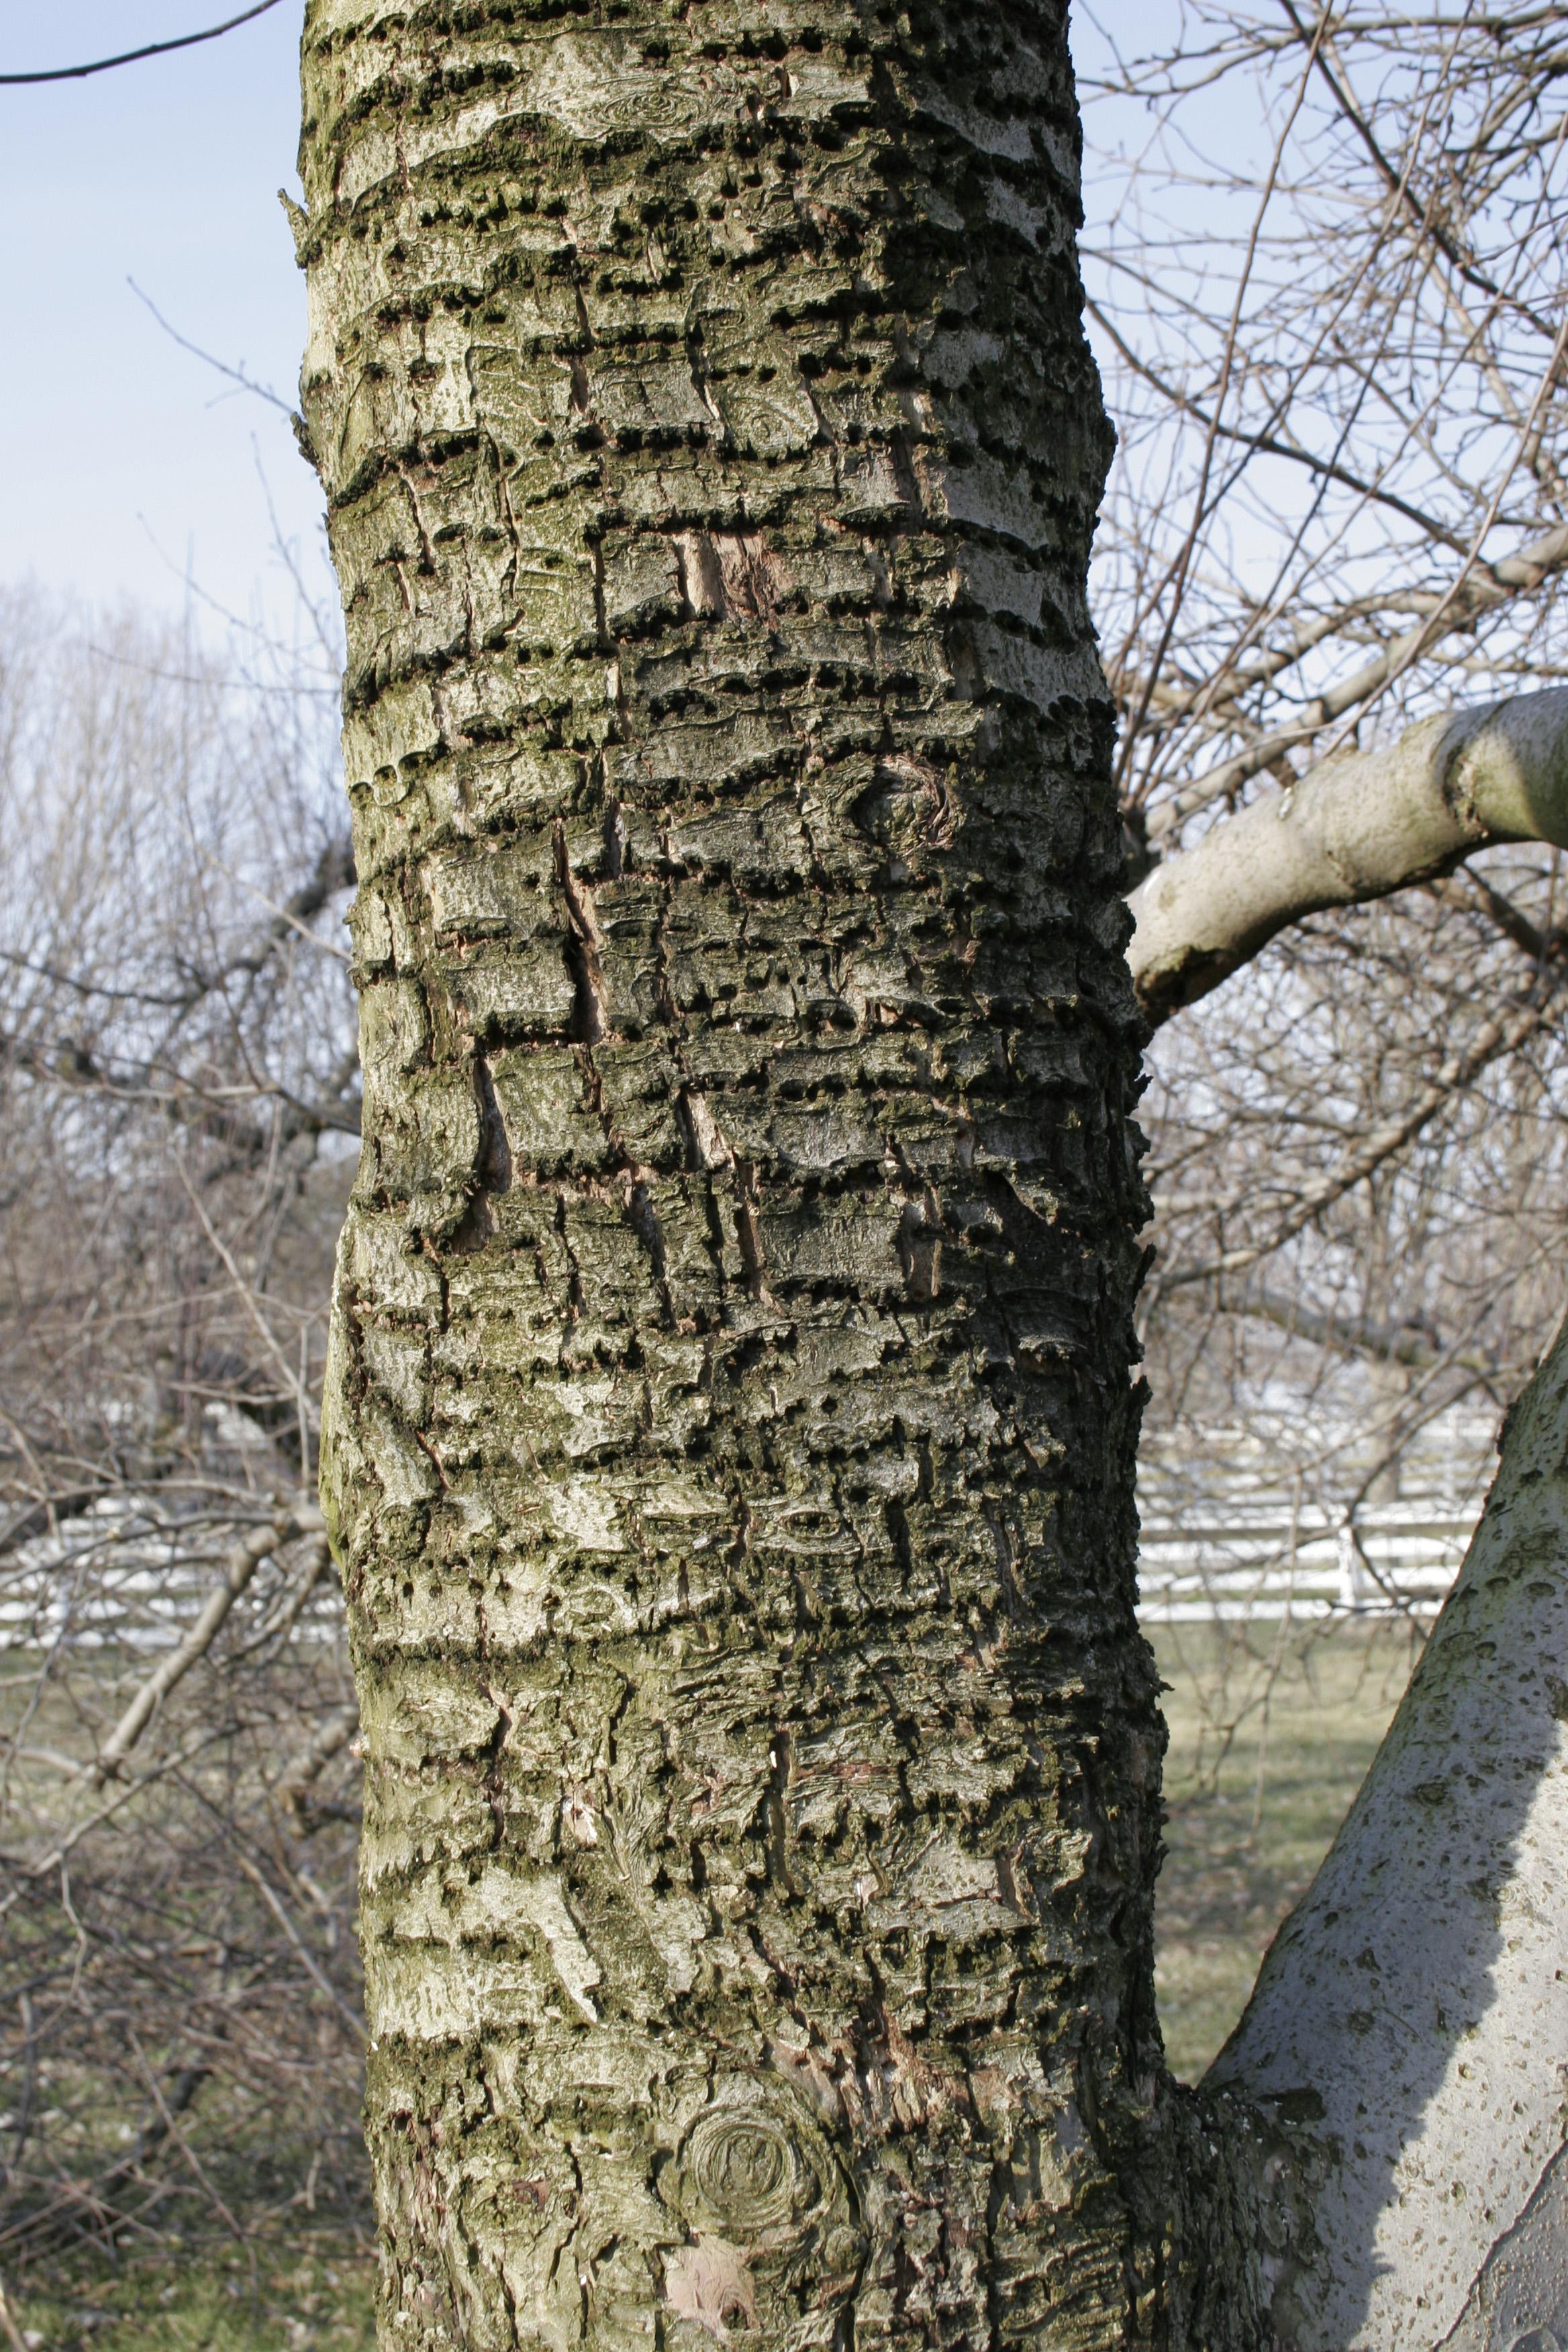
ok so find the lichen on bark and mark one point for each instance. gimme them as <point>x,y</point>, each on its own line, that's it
<point>729,1432</point>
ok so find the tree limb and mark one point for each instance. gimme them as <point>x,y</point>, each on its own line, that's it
<point>1353,830</point>
<point>133,56</point>
<point>1504,1034</point>
<point>1407,1343</point>
<point>1483,589</point>
<point>241,1566</point>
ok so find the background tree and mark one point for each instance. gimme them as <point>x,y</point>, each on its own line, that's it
<point>1337,508</point>
<point>179,1079</point>
<point>1325,264</point>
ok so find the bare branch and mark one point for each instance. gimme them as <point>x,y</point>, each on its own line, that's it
<point>241,1568</point>
<point>1486,587</point>
<point>1351,830</point>
<point>133,56</point>
<point>1504,1034</point>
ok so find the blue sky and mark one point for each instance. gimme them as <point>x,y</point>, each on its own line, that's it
<point>126,458</point>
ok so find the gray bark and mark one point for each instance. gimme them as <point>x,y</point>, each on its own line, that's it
<point>1411,2018</point>
<point>1353,830</point>
<point>729,1440</point>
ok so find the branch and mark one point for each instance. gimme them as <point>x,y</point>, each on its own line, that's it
<point>8,2327</point>
<point>133,56</point>
<point>1504,1034</point>
<point>234,375</point>
<point>1267,445</point>
<point>274,1903</point>
<point>329,1739</point>
<point>1422,211</point>
<point>185,1104</point>
<point>1483,589</point>
<point>1407,1343</point>
<point>243,1562</point>
<point>1353,830</point>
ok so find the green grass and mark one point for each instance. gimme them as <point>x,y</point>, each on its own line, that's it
<point>1251,1814</point>
<point>1267,1753</point>
<point>307,2293</point>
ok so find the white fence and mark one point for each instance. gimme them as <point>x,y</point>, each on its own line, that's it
<point>128,1573</point>
<point>1226,1536</point>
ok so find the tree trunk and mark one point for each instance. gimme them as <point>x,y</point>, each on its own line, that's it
<point>1411,2018</point>
<point>730,1437</point>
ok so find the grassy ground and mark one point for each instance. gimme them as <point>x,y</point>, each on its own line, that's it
<point>1267,1753</point>
<point>1267,1749</point>
<point>307,2293</point>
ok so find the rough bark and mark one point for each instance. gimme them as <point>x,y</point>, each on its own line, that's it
<point>730,1437</point>
<point>1353,830</point>
<point>1411,2018</point>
